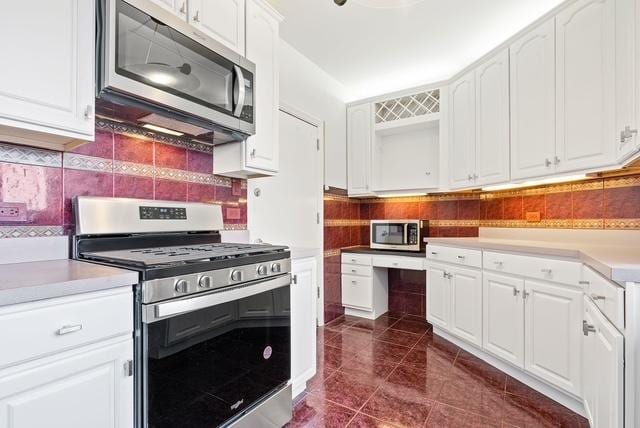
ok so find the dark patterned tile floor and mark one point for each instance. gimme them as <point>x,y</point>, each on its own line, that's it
<point>394,372</point>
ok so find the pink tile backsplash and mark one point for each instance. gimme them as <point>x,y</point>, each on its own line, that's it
<point>38,178</point>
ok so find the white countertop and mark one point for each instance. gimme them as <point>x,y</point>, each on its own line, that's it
<point>620,263</point>
<point>30,281</point>
<point>303,253</point>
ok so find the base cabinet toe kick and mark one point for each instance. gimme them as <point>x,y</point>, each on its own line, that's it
<point>555,324</point>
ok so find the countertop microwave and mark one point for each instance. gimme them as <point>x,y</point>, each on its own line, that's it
<point>402,235</point>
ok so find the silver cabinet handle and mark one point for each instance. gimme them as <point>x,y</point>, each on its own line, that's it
<point>462,257</point>
<point>547,162</point>
<point>196,17</point>
<point>447,275</point>
<point>88,112</point>
<point>584,282</point>
<point>596,297</point>
<point>68,329</point>
<point>183,8</point>
<point>627,134</point>
<point>546,271</point>
<point>353,271</point>
<point>525,294</point>
<point>428,173</point>
<point>353,260</point>
<point>470,177</point>
<point>475,176</point>
<point>498,264</point>
<point>556,160</point>
<point>394,264</point>
<point>587,328</point>
<point>354,282</point>
<point>516,291</point>
<point>253,153</point>
<point>433,253</point>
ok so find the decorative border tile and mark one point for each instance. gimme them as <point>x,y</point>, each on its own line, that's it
<point>587,185</point>
<point>594,223</point>
<point>331,253</point>
<point>454,223</point>
<point>425,198</point>
<point>628,181</point>
<point>339,223</point>
<point>87,163</point>
<point>235,227</point>
<point>222,181</point>
<point>30,156</point>
<point>622,223</point>
<point>552,224</point>
<point>131,168</point>
<point>30,231</point>
<point>339,198</point>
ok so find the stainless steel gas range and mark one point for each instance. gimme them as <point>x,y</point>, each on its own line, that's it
<point>212,319</point>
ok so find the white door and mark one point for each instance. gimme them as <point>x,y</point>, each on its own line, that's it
<point>177,7</point>
<point>359,133</point>
<point>438,296</point>
<point>262,49</point>
<point>303,323</point>
<point>47,78</point>
<point>223,20</point>
<point>90,389</point>
<point>492,120</point>
<point>462,132</point>
<point>466,304</point>
<point>532,92</point>
<point>503,317</point>
<point>553,329</point>
<point>603,369</point>
<point>585,95</point>
<point>627,78</point>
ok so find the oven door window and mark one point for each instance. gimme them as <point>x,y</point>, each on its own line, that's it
<point>388,233</point>
<point>207,367</point>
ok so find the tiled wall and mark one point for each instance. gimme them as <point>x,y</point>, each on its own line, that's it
<point>122,162</point>
<point>603,203</point>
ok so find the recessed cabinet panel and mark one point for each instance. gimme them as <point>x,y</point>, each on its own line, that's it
<point>585,94</point>
<point>303,322</point>
<point>359,134</point>
<point>503,319</point>
<point>532,94</point>
<point>492,121</point>
<point>466,304</point>
<point>178,7</point>
<point>553,320</point>
<point>462,132</point>
<point>357,292</point>
<point>223,20</point>
<point>438,296</point>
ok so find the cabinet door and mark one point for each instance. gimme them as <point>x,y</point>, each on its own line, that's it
<point>532,94</point>
<point>462,132</point>
<point>47,82</point>
<point>303,323</point>
<point>357,292</point>
<point>503,317</point>
<point>222,20</point>
<point>585,95</point>
<point>262,49</point>
<point>627,79</point>
<point>603,369</point>
<point>177,7</point>
<point>553,329</point>
<point>90,389</point>
<point>492,120</point>
<point>438,296</point>
<point>466,304</point>
<point>359,130</point>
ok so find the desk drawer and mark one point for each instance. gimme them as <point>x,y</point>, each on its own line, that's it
<point>359,270</point>
<point>459,256</point>
<point>562,271</point>
<point>356,259</point>
<point>398,262</point>
<point>607,296</point>
<point>32,330</point>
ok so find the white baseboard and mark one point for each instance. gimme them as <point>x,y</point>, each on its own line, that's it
<point>566,400</point>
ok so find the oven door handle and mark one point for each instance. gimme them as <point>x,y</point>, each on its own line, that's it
<point>163,310</point>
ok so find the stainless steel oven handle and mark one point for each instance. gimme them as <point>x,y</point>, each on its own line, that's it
<point>163,310</point>
<point>239,89</point>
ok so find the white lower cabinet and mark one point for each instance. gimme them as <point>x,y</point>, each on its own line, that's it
<point>466,304</point>
<point>303,323</point>
<point>602,370</point>
<point>88,389</point>
<point>503,324</point>
<point>553,319</point>
<point>438,296</point>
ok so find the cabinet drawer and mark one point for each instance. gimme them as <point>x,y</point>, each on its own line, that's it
<point>33,330</point>
<point>607,296</point>
<point>359,270</point>
<point>356,259</point>
<point>357,292</point>
<point>398,262</point>
<point>566,272</point>
<point>461,256</point>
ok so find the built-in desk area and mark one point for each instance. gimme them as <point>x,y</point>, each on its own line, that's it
<point>365,288</point>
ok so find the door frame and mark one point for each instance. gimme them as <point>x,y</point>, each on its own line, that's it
<point>319,125</point>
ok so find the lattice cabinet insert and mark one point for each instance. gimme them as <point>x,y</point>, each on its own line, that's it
<point>410,106</point>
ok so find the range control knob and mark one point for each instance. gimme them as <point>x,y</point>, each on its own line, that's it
<point>236,275</point>
<point>276,268</point>
<point>262,270</point>
<point>182,286</point>
<point>206,282</point>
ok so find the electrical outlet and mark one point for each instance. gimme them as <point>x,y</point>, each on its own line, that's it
<point>13,212</point>
<point>533,217</point>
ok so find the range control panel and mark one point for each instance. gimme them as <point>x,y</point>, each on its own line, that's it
<point>162,213</point>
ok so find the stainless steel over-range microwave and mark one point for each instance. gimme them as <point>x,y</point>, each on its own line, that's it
<point>404,235</point>
<point>154,60</point>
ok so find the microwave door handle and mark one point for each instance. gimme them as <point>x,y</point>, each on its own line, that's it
<point>406,234</point>
<point>238,91</point>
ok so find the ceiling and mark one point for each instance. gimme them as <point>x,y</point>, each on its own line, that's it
<point>372,51</point>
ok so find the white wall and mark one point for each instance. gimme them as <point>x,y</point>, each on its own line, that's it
<point>306,87</point>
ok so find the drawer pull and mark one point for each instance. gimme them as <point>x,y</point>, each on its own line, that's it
<point>447,275</point>
<point>353,270</point>
<point>354,282</point>
<point>596,297</point>
<point>434,253</point>
<point>353,260</point>
<point>498,264</point>
<point>68,329</point>
<point>461,257</point>
<point>525,295</point>
<point>516,291</point>
<point>584,282</point>
<point>395,263</point>
<point>546,271</point>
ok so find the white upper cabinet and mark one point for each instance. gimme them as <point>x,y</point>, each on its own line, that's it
<point>462,131</point>
<point>47,80</point>
<point>359,135</point>
<point>492,121</point>
<point>585,78</point>
<point>627,78</point>
<point>224,20</point>
<point>177,7</point>
<point>532,95</point>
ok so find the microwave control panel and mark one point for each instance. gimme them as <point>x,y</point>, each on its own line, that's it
<point>413,234</point>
